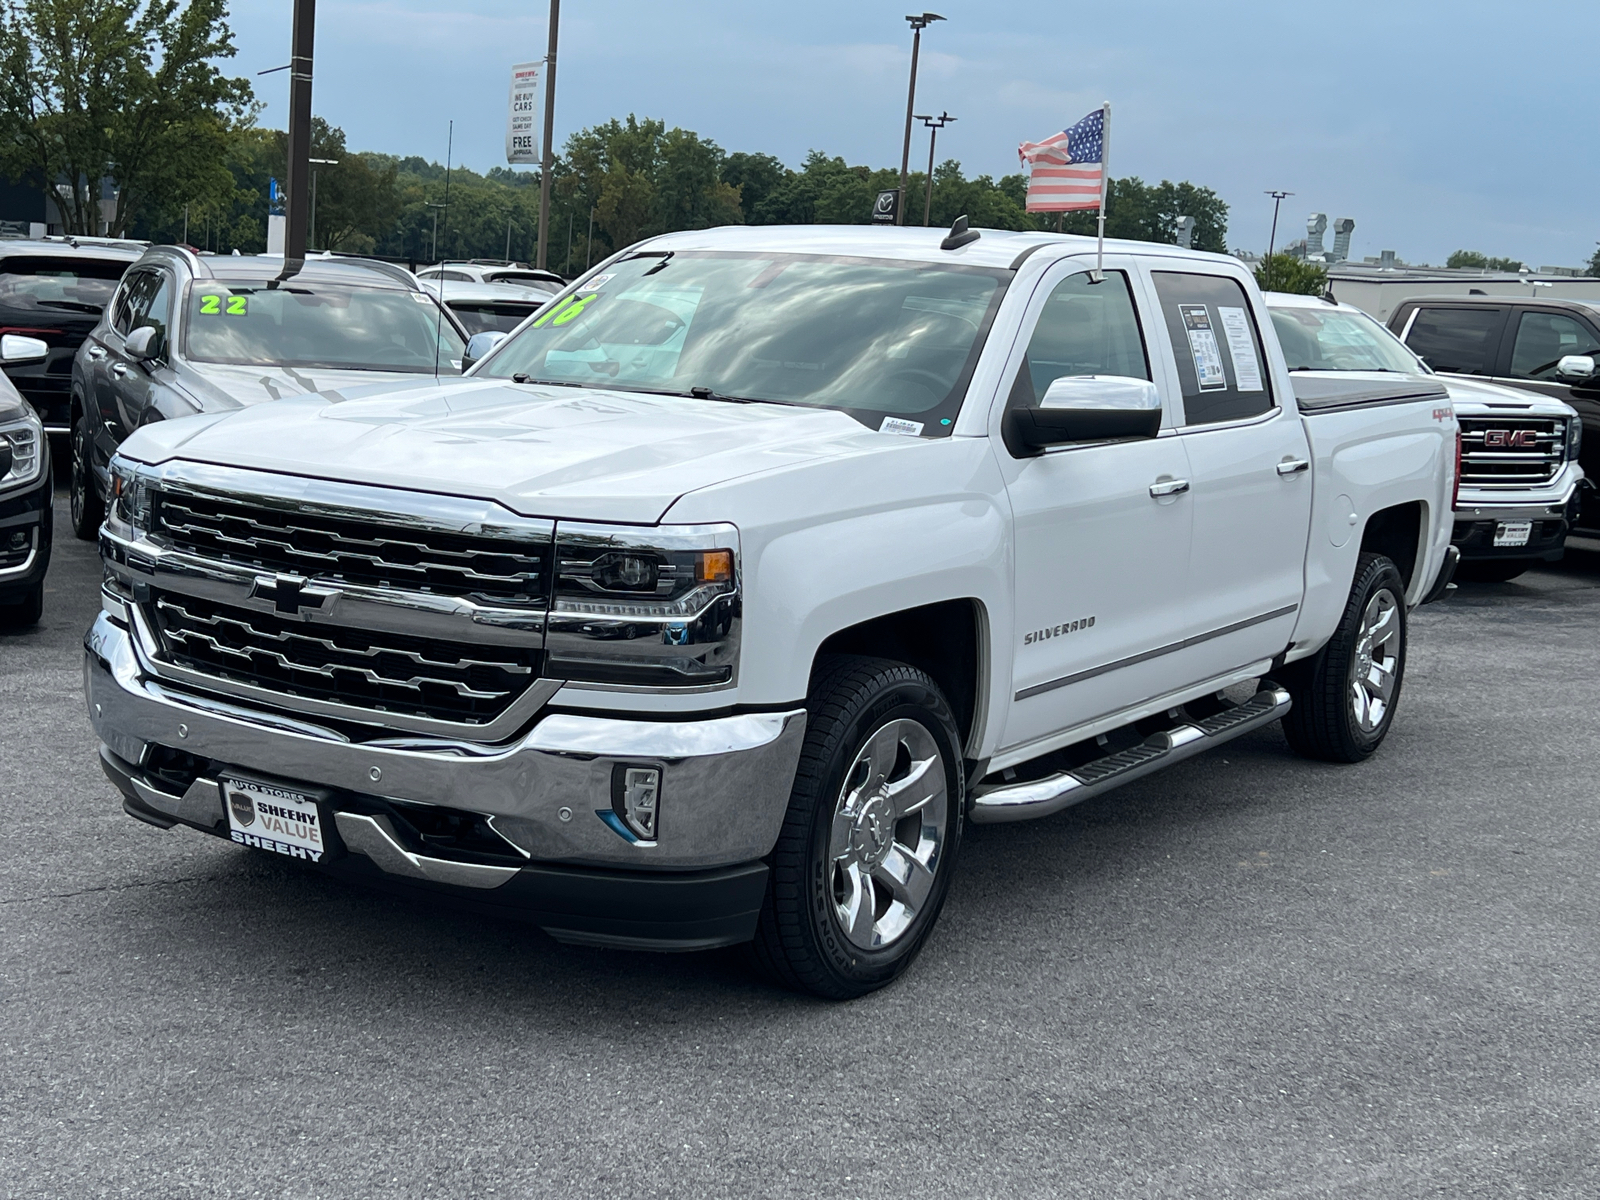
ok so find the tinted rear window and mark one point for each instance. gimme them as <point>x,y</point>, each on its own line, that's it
<point>1462,340</point>
<point>1220,362</point>
<point>46,285</point>
<point>482,318</point>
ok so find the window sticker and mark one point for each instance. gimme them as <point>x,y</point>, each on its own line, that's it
<point>238,306</point>
<point>901,426</point>
<point>1246,366</point>
<point>210,306</point>
<point>595,284</point>
<point>1203,345</point>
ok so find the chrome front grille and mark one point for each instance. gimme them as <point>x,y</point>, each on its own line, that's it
<point>1511,451</point>
<point>350,548</point>
<point>377,671</point>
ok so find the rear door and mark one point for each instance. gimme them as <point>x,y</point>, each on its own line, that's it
<point>1460,339</point>
<point>1250,473</point>
<point>1101,561</point>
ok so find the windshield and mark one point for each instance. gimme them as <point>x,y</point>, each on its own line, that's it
<point>57,286</point>
<point>875,338</point>
<point>319,325</point>
<point>1334,339</point>
<point>494,317</point>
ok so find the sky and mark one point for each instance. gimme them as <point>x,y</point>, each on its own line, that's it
<point>1436,125</point>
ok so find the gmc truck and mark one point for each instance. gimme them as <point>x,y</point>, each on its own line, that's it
<point>714,601</point>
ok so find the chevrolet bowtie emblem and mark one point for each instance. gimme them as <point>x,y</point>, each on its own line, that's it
<point>290,593</point>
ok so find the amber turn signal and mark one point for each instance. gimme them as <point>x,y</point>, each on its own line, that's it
<point>714,566</point>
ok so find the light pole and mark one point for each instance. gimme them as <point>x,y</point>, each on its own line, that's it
<point>934,124</point>
<point>311,238</point>
<point>302,40</point>
<point>918,24</point>
<point>547,161</point>
<point>1272,240</point>
<point>434,254</point>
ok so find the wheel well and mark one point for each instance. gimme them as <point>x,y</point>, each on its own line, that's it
<point>941,639</point>
<point>1397,533</point>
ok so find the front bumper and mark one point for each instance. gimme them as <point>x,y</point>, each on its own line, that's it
<point>1475,526</point>
<point>724,789</point>
<point>25,516</point>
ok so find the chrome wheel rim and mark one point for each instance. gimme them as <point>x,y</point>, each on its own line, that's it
<point>1373,672</point>
<point>77,483</point>
<point>888,834</point>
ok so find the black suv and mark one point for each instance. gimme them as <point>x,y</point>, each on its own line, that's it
<point>54,289</point>
<point>1537,343</point>
<point>188,333</point>
<point>25,492</point>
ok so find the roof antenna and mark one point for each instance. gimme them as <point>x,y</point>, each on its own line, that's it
<point>438,329</point>
<point>959,235</point>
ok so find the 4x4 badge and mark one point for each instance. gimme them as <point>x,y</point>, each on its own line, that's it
<point>290,593</point>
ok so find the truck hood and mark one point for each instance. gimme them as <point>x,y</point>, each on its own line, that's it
<point>539,451</point>
<point>1469,397</point>
<point>221,386</point>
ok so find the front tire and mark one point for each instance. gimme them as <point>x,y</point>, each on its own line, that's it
<point>88,510</point>
<point>868,846</point>
<point>24,613</point>
<point>1345,696</point>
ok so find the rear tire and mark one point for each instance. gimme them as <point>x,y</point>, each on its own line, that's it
<point>88,510</point>
<point>1345,696</point>
<point>869,843</point>
<point>1492,570</point>
<point>24,613</point>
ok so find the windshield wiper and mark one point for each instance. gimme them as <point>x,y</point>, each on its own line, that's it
<point>73,305</point>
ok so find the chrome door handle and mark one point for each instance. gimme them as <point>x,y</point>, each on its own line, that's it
<point>1169,487</point>
<point>97,351</point>
<point>119,369</point>
<point>1293,466</point>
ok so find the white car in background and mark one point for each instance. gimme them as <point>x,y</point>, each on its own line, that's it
<point>1518,492</point>
<point>488,307</point>
<point>481,271</point>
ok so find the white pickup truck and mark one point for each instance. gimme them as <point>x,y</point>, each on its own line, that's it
<point>710,605</point>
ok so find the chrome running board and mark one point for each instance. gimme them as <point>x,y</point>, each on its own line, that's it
<point>1041,797</point>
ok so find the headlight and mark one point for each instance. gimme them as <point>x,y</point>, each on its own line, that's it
<point>1574,437</point>
<point>21,449</point>
<point>129,505</point>
<point>639,607</point>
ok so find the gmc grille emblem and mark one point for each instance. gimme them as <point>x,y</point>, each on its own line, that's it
<point>290,593</point>
<point>1511,439</point>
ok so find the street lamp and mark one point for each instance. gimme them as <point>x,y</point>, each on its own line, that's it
<point>934,124</point>
<point>1272,240</point>
<point>315,163</point>
<point>918,24</point>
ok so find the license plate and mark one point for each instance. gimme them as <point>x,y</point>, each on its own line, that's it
<point>272,818</point>
<point>1513,533</point>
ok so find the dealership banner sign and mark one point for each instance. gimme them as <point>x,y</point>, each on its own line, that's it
<point>522,114</point>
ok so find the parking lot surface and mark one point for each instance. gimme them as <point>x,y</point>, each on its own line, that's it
<point>1248,975</point>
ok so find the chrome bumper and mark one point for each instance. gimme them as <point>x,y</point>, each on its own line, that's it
<point>725,781</point>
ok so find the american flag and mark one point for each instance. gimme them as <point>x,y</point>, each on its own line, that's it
<point>1068,169</point>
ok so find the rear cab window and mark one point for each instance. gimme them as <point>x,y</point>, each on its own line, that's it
<point>1222,368</point>
<point>1461,340</point>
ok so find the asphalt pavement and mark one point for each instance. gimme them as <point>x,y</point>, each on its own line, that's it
<point>1248,975</point>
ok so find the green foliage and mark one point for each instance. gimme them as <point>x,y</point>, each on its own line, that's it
<point>1284,273</point>
<point>125,88</point>
<point>1482,262</point>
<point>1594,263</point>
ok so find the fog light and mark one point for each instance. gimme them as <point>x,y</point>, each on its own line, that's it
<point>19,539</point>
<point>636,799</point>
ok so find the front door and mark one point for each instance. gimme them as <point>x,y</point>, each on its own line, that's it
<point>133,387</point>
<point>1101,559</point>
<point>1250,466</point>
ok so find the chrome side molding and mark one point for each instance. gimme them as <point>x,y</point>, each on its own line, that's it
<point>1042,797</point>
<point>374,837</point>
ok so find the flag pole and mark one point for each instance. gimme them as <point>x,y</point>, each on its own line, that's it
<point>1105,185</point>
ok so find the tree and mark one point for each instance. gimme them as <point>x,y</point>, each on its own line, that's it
<point>1284,273</point>
<point>1594,263</point>
<point>1482,262</point>
<point>119,89</point>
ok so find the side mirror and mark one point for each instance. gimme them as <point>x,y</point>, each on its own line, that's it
<point>480,344</point>
<point>1086,408</point>
<point>142,343</point>
<point>19,348</point>
<point>1575,366</point>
